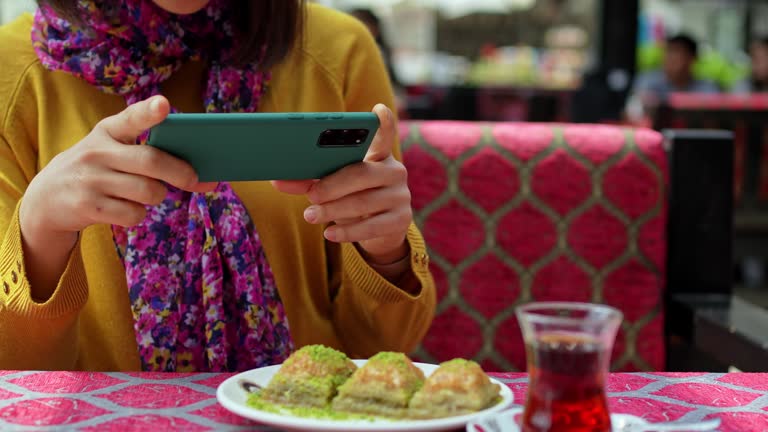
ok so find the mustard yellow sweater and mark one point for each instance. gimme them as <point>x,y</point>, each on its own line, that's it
<point>330,294</point>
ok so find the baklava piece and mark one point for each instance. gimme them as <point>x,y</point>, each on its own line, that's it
<point>457,387</point>
<point>382,387</point>
<point>310,377</point>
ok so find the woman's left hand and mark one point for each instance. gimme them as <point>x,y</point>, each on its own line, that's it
<point>368,203</point>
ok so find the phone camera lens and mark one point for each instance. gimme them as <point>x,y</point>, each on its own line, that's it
<point>343,137</point>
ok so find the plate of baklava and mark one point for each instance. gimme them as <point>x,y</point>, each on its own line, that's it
<point>320,389</point>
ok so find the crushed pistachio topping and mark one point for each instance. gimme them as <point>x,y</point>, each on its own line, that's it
<point>393,358</point>
<point>323,354</point>
<point>458,363</point>
<point>324,413</point>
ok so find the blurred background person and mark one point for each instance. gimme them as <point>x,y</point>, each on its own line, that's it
<point>758,80</point>
<point>372,21</point>
<point>676,74</point>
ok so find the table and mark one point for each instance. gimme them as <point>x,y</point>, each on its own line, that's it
<point>726,329</point>
<point>43,401</point>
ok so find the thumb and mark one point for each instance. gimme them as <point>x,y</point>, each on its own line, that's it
<point>137,118</point>
<point>381,147</point>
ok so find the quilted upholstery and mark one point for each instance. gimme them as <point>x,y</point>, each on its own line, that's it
<point>521,212</point>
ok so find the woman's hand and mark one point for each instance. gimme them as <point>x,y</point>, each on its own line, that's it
<point>103,179</point>
<point>367,203</point>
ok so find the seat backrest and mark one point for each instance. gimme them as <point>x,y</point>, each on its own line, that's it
<point>516,212</point>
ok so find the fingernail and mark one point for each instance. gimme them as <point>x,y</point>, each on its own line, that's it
<point>154,106</point>
<point>330,234</point>
<point>311,214</point>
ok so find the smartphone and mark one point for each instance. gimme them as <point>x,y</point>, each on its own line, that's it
<point>266,146</point>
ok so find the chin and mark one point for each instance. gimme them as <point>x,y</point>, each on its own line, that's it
<point>182,7</point>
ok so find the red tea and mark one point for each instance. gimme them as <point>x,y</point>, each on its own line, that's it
<point>566,389</point>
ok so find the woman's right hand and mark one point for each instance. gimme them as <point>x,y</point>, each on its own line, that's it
<point>103,179</point>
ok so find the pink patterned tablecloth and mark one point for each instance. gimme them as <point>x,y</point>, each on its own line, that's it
<point>43,401</point>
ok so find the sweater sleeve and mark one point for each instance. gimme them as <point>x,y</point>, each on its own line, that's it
<point>38,334</point>
<point>370,313</point>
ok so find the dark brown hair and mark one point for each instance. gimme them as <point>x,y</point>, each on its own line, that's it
<point>278,24</point>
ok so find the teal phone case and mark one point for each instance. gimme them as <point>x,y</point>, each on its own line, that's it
<point>261,146</point>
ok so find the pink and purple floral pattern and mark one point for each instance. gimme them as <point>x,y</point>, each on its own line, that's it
<point>202,292</point>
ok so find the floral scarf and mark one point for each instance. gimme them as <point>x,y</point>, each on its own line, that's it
<point>202,293</point>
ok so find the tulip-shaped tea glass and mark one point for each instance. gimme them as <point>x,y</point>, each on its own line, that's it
<point>568,350</point>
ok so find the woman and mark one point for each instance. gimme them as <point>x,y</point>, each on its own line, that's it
<point>758,81</point>
<point>115,257</point>
<point>374,26</point>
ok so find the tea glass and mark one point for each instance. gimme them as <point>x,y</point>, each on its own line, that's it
<point>568,350</point>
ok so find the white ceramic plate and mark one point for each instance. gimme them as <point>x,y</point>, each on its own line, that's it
<point>232,397</point>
